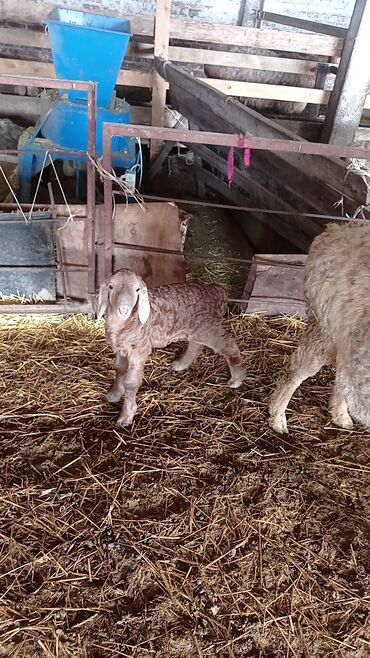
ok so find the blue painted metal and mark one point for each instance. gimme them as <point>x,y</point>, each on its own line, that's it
<point>86,47</point>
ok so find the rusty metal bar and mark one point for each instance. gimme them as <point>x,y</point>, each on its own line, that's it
<point>111,130</point>
<point>108,132</point>
<point>189,202</point>
<point>47,268</point>
<point>77,154</point>
<point>268,211</point>
<point>57,220</point>
<point>91,155</point>
<point>49,83</point>
<point>35,309</point>
<point>240,141</point>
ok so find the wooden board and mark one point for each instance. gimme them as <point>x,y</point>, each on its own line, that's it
<point>160,227</point>
<point>45,70</point>
<point>273,92</point>
<point>73,251</point>
<point>35,12</point>
<point>133,78</point>
<point>32,39</point>
<point>284,284</point>
<point>239,60</point>
<point>214,111</point>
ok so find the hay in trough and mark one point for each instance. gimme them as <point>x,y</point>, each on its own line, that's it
<point>199,533</point>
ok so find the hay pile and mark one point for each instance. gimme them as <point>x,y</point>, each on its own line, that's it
<point>197,534</point>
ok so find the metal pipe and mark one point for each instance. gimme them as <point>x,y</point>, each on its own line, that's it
<point>108,131</point>
<point>268,211</point>
<point>48,309</point>
<point>91,156</point>
<point>230,140</point>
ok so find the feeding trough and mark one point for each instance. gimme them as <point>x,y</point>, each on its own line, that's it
<point>86,47</point>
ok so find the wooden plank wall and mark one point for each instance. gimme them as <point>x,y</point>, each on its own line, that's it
<point>186,39</point>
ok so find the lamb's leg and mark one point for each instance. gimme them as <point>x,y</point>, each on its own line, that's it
<point>310,356</point>
<point>118,388</point>
<point>132,382</point>
<point>338,408</point>
<point>184,362</point>
<point>222,343</point>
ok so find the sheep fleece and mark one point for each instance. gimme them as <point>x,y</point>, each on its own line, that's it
<point>177,312</point>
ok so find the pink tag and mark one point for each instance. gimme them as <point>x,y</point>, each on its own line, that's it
<point>247,152</point>
<point>230,166</point>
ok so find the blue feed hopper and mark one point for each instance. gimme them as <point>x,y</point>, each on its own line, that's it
<point>85,47</point>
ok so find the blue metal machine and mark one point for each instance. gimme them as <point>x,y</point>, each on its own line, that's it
<point>85,47</point>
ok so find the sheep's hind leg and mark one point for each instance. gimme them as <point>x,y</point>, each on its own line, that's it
<point>310,356</point>
<point>338,408</point>
<point>184,362</point>
<point>118,388</point>
<point>223,343</point>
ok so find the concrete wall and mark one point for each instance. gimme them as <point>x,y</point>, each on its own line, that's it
<point>232,12</point>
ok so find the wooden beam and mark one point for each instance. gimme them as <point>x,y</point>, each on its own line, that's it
<point>44,70</point>
<point>309,130</point>
<point>284,225</point>
<point>301,24</point>
<point>349,96</point>
<point>31,39</point>
<point>239,60</point>
<point>239,199</point>
<point>134,78</point>
<point>204,105</point>
<point>161,44</point>
<point>32,11</point>
<point>273,92</point>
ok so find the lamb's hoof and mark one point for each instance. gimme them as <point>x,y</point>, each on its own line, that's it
<point>124,421</point>
<point>178,366</point>
<point>237,379</point>
<point>114,396</point>
<point>278,424</point>
<point>344,421</point>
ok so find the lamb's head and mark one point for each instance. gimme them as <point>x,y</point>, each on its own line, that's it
<point>122,294</point>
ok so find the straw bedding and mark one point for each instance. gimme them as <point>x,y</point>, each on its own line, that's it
<point>199,533</point>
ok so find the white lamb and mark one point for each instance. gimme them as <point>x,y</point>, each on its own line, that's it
<point>138,320</point>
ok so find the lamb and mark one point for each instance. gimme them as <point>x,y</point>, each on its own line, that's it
<point>337,292</point>
<point>138,320</point>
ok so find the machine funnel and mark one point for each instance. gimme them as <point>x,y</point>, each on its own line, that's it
<point>88,47</point>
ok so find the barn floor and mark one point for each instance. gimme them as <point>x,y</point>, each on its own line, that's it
<point>200,533</point>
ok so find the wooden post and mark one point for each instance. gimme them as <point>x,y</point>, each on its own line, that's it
<point>161,45</point>
<point>352,82</point>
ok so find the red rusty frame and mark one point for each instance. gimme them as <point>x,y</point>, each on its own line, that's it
<point>90,88</point>
<point>111,130</point>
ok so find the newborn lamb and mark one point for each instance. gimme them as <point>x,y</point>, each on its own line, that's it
<point>138,320</point>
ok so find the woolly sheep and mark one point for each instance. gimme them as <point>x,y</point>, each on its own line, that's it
<point>265,77</point>
<point>138,320</point>
<point>337,291</point>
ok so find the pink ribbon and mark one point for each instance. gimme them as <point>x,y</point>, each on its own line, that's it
<point>230,159</point>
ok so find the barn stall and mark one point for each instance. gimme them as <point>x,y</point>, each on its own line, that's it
<point>217,143</point>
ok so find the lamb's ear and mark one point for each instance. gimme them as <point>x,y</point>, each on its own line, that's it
<point>143,304</point>
<point>102,301</point>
